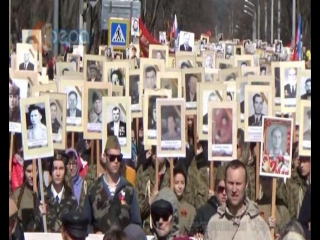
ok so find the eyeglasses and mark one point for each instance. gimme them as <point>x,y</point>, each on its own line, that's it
<point>73,164</point>
<point>164,216</point>
<point>220,189</point>
<point>112,157</point>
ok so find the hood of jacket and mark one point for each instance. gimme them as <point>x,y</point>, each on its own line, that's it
<point>168,195</point>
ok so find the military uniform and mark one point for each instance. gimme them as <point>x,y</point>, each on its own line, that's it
<point>37,133</point>
<point>75,224</point>
<point>56,126</point>
<point>93,116</point>
<point>14,113</point>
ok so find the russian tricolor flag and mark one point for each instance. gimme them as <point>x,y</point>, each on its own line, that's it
<point>297,56</point>
<point>175,27</point>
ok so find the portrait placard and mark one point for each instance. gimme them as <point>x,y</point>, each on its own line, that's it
<point>117,55</point>
<point>74,91</point>
<point>58,116</point>
<point>185,62</point>
<point>222,134</point>
<point>18,89</point>
<point>305,128</point>
<point>231,91</point>
<point>117,73</point>
<point>243,61</point>
<point>106,51</point>
<point>248,71</point>
<point>229,51</point>
<point>50,87</point>
<point>134,51</point>
<point>92,121</point>
<point>26,58</point>
<point>31,77</point>
<point>171,127</point>
<point>159,52</point>
<point>205,38</point>
<point>135,88</point>
<point>288,76</point>
<point>150,114</point>
<point>229,74</point>
<point>190,78</point>
<point>211,75</point>
<point>265,69</point>
<point>200,61</point>
<point>261,81</point>
<point>276,147</point>
<point>135,30</point>
<point>209,59</point>
<point>258,103</point>
<point>117,122</point>
<point>93,68</point>
<point>36,133</point>
<point>241,83</point>
<point>75,60</point>
<point>239,49</point>
<point>171,80</point>
<point>275,72</point>
<point>162,37</point>
<point>220,50</point>
<point>303,87</point>
<point>207,92</point>
<point>224,63</point>
<point>117,91</point>
<point>186,42</point>
<point>62,67</point>
<point>148,72</point>
<point>34,38</point>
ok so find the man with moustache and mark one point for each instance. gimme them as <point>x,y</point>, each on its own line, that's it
<point>240,217</point>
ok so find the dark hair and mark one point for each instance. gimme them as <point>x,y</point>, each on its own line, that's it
<point>230,76</point>
<point>263,68</point>
<point>255,96</point>
<point>33,107</point>
<point>73,92</point>
<point>53,104</point>
<point>118,73</point>
<point>151,69</point>
<point>116,108</point>
<point>57,157</point>
<point>115,233</point>
<point>308,80</point>
<point>248,73</point>
<point>189,76</point>
<point>32,37</point>
<point>184,64</point>
<point>244,63</point>
<point>235,164</point>
<point>229,94</point>
<point>65,69</point>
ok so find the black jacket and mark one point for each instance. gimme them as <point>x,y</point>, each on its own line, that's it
<point>305,213</point>
<point>203,216</point>
<point>18,233</point>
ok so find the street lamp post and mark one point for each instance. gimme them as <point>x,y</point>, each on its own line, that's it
<point>257,13</point>
<point>253,23</point>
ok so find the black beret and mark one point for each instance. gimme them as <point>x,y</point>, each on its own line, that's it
<point>75,223</point>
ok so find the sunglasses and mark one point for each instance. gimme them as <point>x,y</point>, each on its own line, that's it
<point>164,216</point>
<point>112,157</point>
<point>220,189</point>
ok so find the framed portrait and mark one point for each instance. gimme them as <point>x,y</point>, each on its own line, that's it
<point>222,132</point>
<point>241,83</point>
<point>239,50</point>
<point>205,38</point>
<point>18,89</point>
<point>149,69</point>
<point>224,63</point>
<point>117,121</point>
<point>258,104</point>
<point>26,58</point>
<point>106,51</point>
<point>243,61</point>
<point>289,79</point>
<point>117,55</point>
<point>231,91</point>
<point>34,38</point>
<point>162,37</point>
<point>93,68</point>
<point>159,52</point>
<point>209,59</point>
<point>211,75</point>
<point>31,77</point>
<point>50,87</point>
<point>247,71</point>
<point>275,72</point>
<point>185,62</point>
<point>278,47</point>
<point>303,87</point>
<point>190,78</point>
<point>92,121</point>
<point>229,51</point>
<point>229,74</point>
<point>134,51</point>
<point>220,50</point>
<point>117,73</point>
<point>207,92</point>
<point>75,60</point>
<point>135,88</point>
<point>305,128</point>
<point>62,67</point>
<point>246,43</point>
<point>150,114</point>
<point>135,30</point>
<point>102,50</point>
<point>58,116</point>
<point>261,81</point>
<point>171,63</point>
<point>117,91</point>
<point>186,42</point>
<point>36,133</point>
<point>75,102</point>
<point>276,147</point>
<point>200,61</point>
<point>171,127</point>
<point>171,80</point>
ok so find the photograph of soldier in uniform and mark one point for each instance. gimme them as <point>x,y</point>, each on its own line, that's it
<point>94,73</point>
<point>56,119</point>
<point>36,126</point>
<point>74,112</point>
<point>117,122</point>
<point>134,85</point>
<point>95,110</point>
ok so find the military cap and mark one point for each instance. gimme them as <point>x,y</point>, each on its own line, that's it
<point>13,209</point>
<point>93,66</point>
<point>112,143</point>
<point>14,89</point>
<point>96,96</point>
<point>75,223</point>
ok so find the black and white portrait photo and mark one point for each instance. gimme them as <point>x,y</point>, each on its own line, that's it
<point>229,51</point>
<point>74,106</point>
<point>117,122</point>
<point>290,87</point>
<point>186,41</point>
<point>277,86</point>
<point>117,77</point>
<point>162,37</point>
<point>257,109</point>
<point>94,71</point>
<point>170,83</point>
<point>242,100</point>
<point>307,128</point>
<point>75,61</point>
<point>277,140</point>
<point>152,117</point>
<point>26,61</point>
<point>207,96</point>
<point>305,88</point>
<point>56,120</point>
<point>158,54</point>
<point>230,77</point>
<point>219,50</point>
<point>62,67</point>
<point>95,110</point>
<point>135,30</point>
<point>185,64</point>
<point>108,52</point>
<point>150,77</point>
<point>171,127</point>
<point>36,125</point>
<point>242,63</point>
<point>134,87</point>
<point>191,81</point>
<point>278,47</point>
<point>209,59</point>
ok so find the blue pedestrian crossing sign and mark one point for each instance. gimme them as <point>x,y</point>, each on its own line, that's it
<point>119,36</point>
